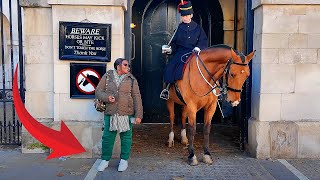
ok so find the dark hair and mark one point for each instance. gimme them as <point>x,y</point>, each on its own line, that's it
<point>118,62</point>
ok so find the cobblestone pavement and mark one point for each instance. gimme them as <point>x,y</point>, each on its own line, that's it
<point>152,159</point>
<point>155,168</point>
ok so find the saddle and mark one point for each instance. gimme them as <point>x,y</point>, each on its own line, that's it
<point>187,61</point>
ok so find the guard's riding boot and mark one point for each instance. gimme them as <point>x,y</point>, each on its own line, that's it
<point>165,93</point>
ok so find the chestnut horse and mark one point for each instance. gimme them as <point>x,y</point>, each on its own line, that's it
<point>197,85</point>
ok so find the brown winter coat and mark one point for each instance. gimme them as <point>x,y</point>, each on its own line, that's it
<point>128,98</point>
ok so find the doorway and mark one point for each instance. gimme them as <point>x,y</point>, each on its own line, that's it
<point>155,22</point>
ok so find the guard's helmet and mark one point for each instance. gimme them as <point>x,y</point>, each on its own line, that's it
<point>185,8</point>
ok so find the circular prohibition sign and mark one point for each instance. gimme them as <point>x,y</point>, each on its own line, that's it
<point>87,80</point>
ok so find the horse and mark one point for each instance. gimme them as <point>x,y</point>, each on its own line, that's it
<point>93,80</point>
<point>199,88</point>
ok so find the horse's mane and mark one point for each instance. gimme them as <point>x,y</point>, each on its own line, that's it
<point>220,46</point>
<point>224,46</point>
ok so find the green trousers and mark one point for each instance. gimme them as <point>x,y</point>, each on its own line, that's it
<point>108,139</point>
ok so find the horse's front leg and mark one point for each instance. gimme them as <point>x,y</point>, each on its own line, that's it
<point>170,106</point>
<point>192,159</point>
<point>208,114</point>
<point>206,154</point>
<point>184,139</point>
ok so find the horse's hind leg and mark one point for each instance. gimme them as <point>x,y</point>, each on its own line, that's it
<point>170,106</point>
<point>208,114</point>
<point>184,139</point>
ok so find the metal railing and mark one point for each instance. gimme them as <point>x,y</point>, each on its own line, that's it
<point>10,55</point>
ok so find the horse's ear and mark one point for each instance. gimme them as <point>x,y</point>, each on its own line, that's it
<point>250,56</point>
<point>233,54</point>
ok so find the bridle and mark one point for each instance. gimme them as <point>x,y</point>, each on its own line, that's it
<point>227,72</point>
<point>225,87</point>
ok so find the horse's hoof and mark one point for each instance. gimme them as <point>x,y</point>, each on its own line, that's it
<point>193,161</point>
<point>170,144</point>
<point>207,159</point>
<point>184,142</point>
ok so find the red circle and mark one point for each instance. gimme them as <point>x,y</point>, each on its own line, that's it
<point>99,77</point>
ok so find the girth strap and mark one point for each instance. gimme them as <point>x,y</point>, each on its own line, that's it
<point>179,93</point>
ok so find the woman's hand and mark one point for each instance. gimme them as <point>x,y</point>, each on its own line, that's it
<point>138,121</point>
<point>111,99</point>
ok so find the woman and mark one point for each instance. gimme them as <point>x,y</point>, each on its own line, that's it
<point>189,36</point>
<point>120,91</point>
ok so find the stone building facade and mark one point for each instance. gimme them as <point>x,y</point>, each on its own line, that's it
<point>285,119</point>
<point>47,78</point>
<point>285,90</point>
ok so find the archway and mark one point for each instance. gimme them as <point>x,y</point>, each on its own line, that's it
<point>155,22</point>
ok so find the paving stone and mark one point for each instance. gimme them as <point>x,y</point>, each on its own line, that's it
<point>308,167</point>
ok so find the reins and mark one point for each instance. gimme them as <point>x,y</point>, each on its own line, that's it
<point>213,87</point>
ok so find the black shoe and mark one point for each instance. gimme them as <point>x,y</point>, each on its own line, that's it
<point>164,94</point>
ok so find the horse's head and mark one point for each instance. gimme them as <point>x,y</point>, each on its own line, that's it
<point>237,71</point>
<point>93,80</point>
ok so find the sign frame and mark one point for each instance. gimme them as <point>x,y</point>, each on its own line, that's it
<point>75,71</point>
<point>70,49</point>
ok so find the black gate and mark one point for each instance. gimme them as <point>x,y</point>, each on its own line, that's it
<point>10,56</point>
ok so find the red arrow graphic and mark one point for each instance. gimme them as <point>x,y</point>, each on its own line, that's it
<point>63,143</point>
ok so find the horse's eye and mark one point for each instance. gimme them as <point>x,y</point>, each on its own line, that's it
<point>232,75</point>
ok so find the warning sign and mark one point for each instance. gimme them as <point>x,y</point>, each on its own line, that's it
<point>84,79</point>
<point>87,80</point>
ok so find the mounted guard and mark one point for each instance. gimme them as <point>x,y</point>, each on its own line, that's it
<point>188,37</point>
<point>199,89</point>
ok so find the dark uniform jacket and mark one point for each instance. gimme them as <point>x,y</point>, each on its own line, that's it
<point>187,37</point>
<point>127,95</point>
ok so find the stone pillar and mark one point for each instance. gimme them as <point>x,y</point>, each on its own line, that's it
<point>48,78</point>
<point>38,57</point>
<point>285,119</point>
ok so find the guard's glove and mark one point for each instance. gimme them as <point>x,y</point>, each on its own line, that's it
<point>196,50</point>
<point>166,49</point>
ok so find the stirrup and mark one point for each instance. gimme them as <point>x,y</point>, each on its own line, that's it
<point>164,94</point>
